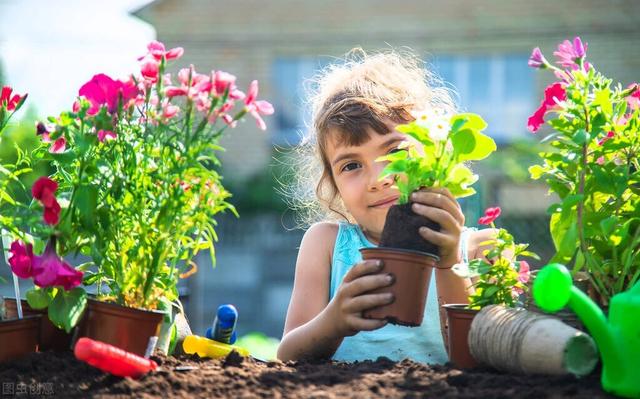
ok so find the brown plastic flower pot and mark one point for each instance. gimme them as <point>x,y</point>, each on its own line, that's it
<point>412,271</point>
<point>19,337</point>
<point>133,330</point>
<point>51,337</point>
<point>459,323</point>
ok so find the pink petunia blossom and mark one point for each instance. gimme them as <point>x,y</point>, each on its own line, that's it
<point>257,108</point>
<point>537,60</point>
<point>569,54</point>
<point>490,215</point>
<point>102,90</point>
<point>49,270</point>
<point>150,70</point>
<point>104,135</point>
<point>157,50</point>
<point>553,95</point>
<point>44,191</point>
<point>633,100</point>
<point>20,259</point>
<point>524,272</point>
<point>606,138</point>
<point>43,131</point>
<point>58,146</point>
<point>10,102</point>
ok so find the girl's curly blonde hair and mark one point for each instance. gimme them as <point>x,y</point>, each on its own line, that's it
<point>347,97</point>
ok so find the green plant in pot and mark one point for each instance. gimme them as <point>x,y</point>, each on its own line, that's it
<point>438,146</point>
<point>21,332</point>
<point>499,278</point>
<point>134,192</point>
<point>594,169</point>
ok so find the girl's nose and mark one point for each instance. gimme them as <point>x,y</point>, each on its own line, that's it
<point>375,183</point>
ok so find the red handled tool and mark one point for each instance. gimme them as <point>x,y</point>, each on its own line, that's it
<point>111,359</point>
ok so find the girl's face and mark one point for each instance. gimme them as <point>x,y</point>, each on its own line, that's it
<point>355,172</point>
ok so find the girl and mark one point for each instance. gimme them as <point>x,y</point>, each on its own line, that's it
<point>355,111</point>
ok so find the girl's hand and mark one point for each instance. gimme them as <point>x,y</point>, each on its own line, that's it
<point>346,307</point>
<point>440,206</point>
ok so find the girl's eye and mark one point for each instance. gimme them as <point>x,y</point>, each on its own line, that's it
<point>350,166</point>
<point>396,150</point>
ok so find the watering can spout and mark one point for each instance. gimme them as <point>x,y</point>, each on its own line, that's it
<point>617,338</point>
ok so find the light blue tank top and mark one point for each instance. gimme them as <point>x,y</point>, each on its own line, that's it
<point>422,344</point>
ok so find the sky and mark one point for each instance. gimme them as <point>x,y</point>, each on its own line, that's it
<point>49,48</point>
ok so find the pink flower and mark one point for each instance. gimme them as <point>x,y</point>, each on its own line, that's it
<point>42,130</point>
<point>606,138</point>
<point>537,60</point>
<point>600,160</point>
<point>169,110</point>
<point>633,100</point>
<point>6,100</point>
<point>150,70</point>
<point>104,135</point>
<point>172,91</point>
<point>102,90</point>
<point>157,50</point>
<point>553,94</point>
<point>524,272</point>
<point>44,190</point>
<point>58,146</point>
<point>49,270</point>
<point>20,260</point>
<point>257,108</point>
<point>490,215</point>
<point>569,54</point>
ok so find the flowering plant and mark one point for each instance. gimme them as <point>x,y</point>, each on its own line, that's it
<point>594,168</point>
<point>443,142</point>
<point>9,105</point>
<point>500,280</point>
<point>135,187</point>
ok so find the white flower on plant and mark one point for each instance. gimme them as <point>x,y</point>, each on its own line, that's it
<point>436,120</point>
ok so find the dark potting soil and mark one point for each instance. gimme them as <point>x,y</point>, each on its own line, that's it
<point>50,374</point>
<point>401,230</point>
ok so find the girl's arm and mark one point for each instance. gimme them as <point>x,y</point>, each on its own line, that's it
<point>315,326</point>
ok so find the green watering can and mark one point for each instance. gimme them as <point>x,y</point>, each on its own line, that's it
<point>618,339</point>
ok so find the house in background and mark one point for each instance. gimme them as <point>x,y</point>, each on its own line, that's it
<point>479,47</point>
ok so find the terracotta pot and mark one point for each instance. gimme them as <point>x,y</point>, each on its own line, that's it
<point>19,337</point>
<point>51,337</point>
<point>134,330</point>
<point>412,271</point>
<point>459,320</point>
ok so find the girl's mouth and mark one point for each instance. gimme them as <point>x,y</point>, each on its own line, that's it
<point>385,202</point>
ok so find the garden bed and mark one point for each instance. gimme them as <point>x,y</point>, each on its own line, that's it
<point>61,375</point>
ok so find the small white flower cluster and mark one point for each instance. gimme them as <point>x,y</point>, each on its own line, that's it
<point>436,120</point>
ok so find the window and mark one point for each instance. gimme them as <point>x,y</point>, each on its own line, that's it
<point>500,88</point>
<point>291,79</point>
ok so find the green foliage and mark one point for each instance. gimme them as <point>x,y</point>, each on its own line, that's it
<point>593,165</point>
<point>436,155</point>
<point>502,280</point>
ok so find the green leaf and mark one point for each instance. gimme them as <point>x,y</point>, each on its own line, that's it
<point>580,137</point>
<point>603,99</point>
<point>490,291</point>
<point>468,121</point>
<point>607,225</point>
<point>86,202</point>
<point>564,231</point>
<point>471,145</point>
<point>67,307</point>
<point>40,298</point>
<point>536,171</point>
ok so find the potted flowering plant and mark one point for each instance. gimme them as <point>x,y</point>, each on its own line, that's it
<point>593,168</point>
<point>135,190</point>
<point>439,145</point>
<point>23,333</point>
<point>498,279</point>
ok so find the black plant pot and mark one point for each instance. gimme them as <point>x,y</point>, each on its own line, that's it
<point>401,230</point>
